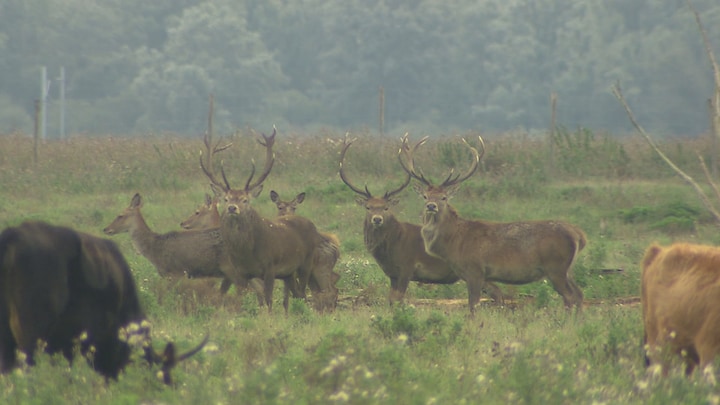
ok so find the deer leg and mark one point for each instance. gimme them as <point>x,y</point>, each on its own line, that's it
<point>225,286</point>
<point>475,288</point>
<point>401,287</point>
<point>394,296</point>
<point>577,292</point>
<point>286,293</point>
<point>563,287</point>
<point>495,293</point>
<point>269,283</point>
<point>258,287</point>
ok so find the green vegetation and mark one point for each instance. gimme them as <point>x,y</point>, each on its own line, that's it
<point>425,351</point>
<point>135,66</point>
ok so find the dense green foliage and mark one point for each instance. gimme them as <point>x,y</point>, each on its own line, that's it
<point>427,352</point>
<point>138,66</point>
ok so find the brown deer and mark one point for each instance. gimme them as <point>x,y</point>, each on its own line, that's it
<point>286,207</point>
<point>396,246</point>
<point>322,279</point>
<point>259,247</point>
<point>481,251</point>
<point>192,254</point>
<point>206,216</point>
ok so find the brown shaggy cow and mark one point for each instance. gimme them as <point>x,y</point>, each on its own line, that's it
<point>681,304</point>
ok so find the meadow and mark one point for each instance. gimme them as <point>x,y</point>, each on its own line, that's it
<point>365,352</point>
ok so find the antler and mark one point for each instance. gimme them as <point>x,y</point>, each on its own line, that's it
<point>207,168</point>
<point>267,142</point>
<point>409,165</point>
<point>409,155</point>
<point>366,192</point>
<point>450,181</point>
<point>346,145</point>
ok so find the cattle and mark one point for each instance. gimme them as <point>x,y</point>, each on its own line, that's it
<point>680,293</point>
<point>58,285</point>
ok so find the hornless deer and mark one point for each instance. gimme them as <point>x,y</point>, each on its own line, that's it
<point>206,216</point>
<point>396,246</point>
<point>482,251</point>
<point>192,254</point>
<point>286,207</point>
<point>322,279</point>
<point>259,247</point>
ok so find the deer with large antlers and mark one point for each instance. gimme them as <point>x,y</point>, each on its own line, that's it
<point>396,246</point>
<point>259,247</point>
<point>481,252</point>
<point>322,279</point>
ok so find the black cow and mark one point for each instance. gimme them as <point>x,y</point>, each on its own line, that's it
<point>56,285</point>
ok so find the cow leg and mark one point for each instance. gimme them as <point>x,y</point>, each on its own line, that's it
<point>8,346</point>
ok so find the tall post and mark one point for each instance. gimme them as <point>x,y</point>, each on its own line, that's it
<point>43,101</point>
<point>382,111</point>
<point>36,133</point>
<point>553,127</point>
<point>62,102</point>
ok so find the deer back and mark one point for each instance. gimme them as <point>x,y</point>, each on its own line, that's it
<point>191,253</point>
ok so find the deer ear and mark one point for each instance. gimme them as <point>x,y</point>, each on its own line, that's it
<point>208,199</point>
<point>136,201</point>
<point>393,202</point>
<point>361,201</point>
<point>274,196</point>
<point>419,189</point>
<point>300,198</point>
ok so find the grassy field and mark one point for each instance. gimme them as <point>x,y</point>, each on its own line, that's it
<point>428,351</point>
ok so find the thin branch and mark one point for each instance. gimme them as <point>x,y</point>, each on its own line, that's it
<point>708,176</point>
<point>703,197</point>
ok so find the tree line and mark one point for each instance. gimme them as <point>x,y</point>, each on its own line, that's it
<point>142,67</point>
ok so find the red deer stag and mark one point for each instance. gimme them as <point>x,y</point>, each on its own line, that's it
<point>259,247</point>
<point>57,284</point>
<point>680,298</point>
<point>396,246</point>
<point>482,251</point>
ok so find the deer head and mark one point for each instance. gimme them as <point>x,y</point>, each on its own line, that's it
<point>238,200</point>
<point>286,207</point>
<point>128,219</point>
<point>206,215</point>
<point>377,209</point>
<point>436,197</point>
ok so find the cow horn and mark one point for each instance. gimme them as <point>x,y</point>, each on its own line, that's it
<point>169,359</point>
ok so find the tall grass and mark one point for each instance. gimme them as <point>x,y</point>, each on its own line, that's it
<point>428,351</point>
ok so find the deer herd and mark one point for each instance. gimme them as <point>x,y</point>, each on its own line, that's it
<point>228,239</point>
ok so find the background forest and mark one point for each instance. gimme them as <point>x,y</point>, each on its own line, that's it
<point>134,66</point>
